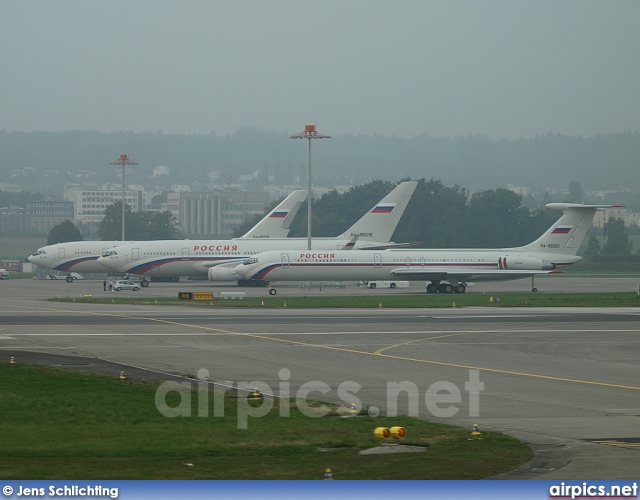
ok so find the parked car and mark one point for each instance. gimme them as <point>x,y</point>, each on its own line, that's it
<point>62,276</point>
<point>126,285</point>
<point>4,274</point>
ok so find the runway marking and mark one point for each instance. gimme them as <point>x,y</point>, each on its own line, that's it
<point>365,353</point>
<point>626,443</point>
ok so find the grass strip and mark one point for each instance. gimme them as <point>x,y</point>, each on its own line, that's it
<point>401,300</point>
<point>63,424</point>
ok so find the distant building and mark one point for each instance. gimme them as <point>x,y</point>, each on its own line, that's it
<point>90,204</point>
<point>216,214</point>
<point>44,215</point>
<point>602,216</point>
<point>37,217</point>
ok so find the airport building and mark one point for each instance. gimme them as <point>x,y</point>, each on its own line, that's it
<point>215,214</point>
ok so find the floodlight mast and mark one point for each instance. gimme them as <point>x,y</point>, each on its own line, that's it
<point>123,160</point>
<point>309,133</point>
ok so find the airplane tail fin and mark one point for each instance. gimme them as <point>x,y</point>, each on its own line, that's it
<point>379,223</point>
<point>276,224</point>
<point>567,234</point>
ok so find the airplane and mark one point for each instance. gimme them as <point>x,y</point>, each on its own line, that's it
<point>82,256</point>
<point>445,270</point>
<point>217,259</point>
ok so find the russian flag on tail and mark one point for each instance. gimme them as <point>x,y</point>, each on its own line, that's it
<point>561,230</point>
<point>278,215</point>
<point>385,208</point>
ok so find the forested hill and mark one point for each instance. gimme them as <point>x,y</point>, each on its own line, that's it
<point>599,162</point>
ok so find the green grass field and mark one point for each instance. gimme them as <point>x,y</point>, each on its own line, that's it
<point>61,424</point>
<point>595,299</point>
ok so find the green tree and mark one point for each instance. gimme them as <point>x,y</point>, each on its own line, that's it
<point>64,232</point>
<point>593,246</point>
<point>111,226</point>
<point>496,218</point>
<point>140,226</point>
<point>435,216</point>
<point>617,241</point>
<point>163,226</point>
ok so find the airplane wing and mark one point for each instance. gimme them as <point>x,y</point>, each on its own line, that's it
<point>202,267</point>
<point>463,275</point>
<point>388,246</point>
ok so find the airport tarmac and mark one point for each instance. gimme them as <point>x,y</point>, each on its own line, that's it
<point>564,380</point>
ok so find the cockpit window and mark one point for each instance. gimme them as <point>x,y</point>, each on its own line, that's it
<point>252,260</point>
<point>39,251</point>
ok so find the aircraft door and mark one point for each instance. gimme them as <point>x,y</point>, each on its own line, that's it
<point>185,253</point>
<point>135,253</point>
<point>377,260</point>
<point>285,260</point>
<point>61,253</point>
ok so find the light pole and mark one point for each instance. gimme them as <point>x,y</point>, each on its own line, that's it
<point>123,160</point>
<point>309,133</point>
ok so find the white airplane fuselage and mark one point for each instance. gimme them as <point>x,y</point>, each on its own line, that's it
<point>445,270</point>
<point>215,259</point>
<point>73,256</point>
<point>427,264</point>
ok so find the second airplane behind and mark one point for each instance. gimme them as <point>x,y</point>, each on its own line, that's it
<point>217,259</point>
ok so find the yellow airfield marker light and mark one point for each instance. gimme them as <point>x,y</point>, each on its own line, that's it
<point>328,475</point>
<point>380,305</point>
<point>12,361</point>
<point>353,411</point>
<point>381,433</point>
<point>122,377</point>
<point>384,433</point>
<point>256,394</point>
<point>476,430</point>
<point>397,432</point>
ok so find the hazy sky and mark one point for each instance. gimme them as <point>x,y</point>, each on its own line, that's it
<point>501,68</point>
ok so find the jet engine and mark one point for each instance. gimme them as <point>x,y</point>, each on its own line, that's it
<point>515,262</point>
<point>223,273</point>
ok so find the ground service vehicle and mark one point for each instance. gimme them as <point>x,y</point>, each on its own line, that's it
<point>384,284</point>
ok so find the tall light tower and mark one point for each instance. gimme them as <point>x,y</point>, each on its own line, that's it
<point>123,160</point>
<point>309,133</point>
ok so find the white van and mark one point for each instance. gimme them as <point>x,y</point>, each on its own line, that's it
<point>4,274</point>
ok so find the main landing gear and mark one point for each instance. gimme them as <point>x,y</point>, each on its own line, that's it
<point>437,287</point>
